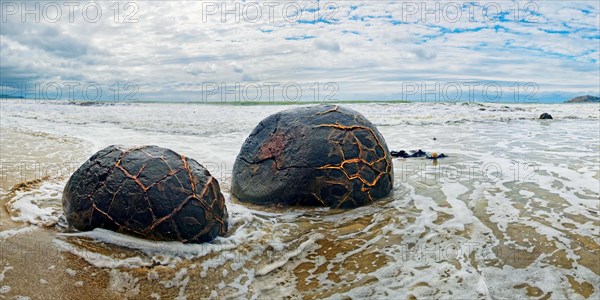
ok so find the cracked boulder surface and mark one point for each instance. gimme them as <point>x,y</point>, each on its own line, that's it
<point>147,191</point>
<point>315,156</point>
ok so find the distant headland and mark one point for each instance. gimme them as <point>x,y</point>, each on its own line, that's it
<point>584,99</point>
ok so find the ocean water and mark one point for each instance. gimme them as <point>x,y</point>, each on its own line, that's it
<point>513,212</point>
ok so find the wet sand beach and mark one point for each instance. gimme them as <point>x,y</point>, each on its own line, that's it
<point>513,212</point>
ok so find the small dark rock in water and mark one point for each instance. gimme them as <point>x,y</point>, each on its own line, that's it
<point>400,153</point>
<point>434,155</point>
<point>545,116</point>
<point>413,153</point>
<point>418,153</point>
<point>320,155</point>
<point>434,138</point>
<point>147,191</point>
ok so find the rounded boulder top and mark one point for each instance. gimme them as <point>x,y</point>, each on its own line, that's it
<point>147,191</point>
<point>316,156</point>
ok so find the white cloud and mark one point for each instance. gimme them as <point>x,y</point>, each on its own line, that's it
<point>367,48</point>
<point>327,45</point>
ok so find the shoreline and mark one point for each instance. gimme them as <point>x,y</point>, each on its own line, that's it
<point>270,103</point>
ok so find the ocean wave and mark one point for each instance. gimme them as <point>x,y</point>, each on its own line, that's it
<point>512,209</point>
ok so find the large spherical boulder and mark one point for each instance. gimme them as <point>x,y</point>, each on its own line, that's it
<point>148,191</point>
<point>317,156</point>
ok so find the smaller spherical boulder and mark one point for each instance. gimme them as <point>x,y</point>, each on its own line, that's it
<point>316,156</point>
<point>146,191</point>
<point>545,116</point>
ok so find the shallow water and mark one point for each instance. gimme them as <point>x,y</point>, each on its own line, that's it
<point>512,212</point>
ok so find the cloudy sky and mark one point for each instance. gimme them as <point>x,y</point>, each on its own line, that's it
<point>338,50</point>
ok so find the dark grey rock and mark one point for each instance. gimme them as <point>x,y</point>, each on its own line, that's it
<point>147,191</point>
<point>316,156</point>
<point>545,116</point>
